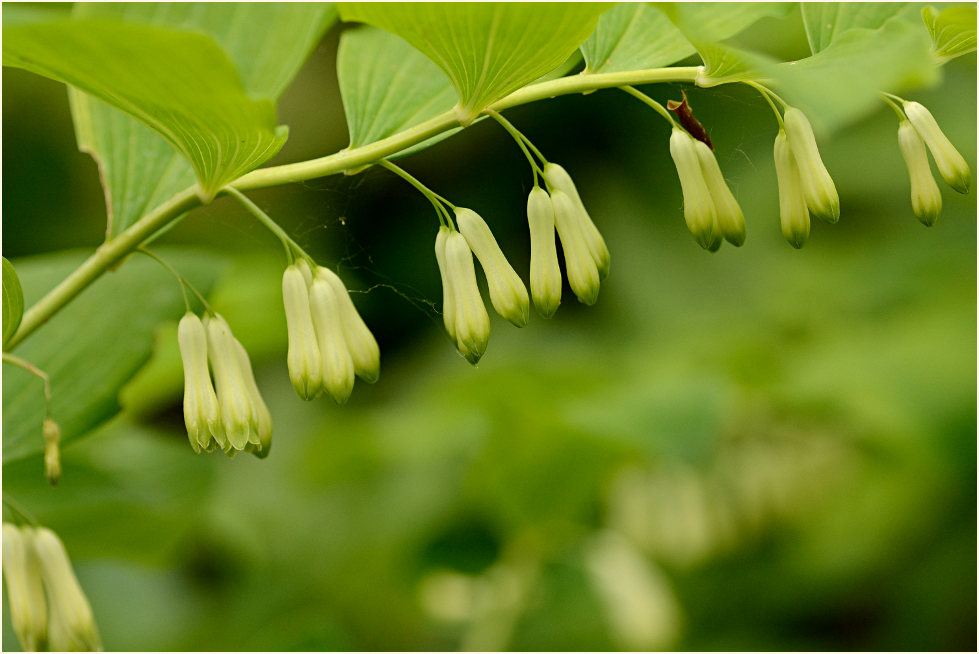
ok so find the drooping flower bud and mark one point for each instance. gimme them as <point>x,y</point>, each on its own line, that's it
<point>361,344</point>
<point>545,271</point>
<point>305,364</point>
<point>817,186</point>
<point>25,590</point>
<point>72,625</point>
<point>951,165</point>
<point>52,451</point>
<point>201,411</point>
<point>260,439</point>
<point>582,271</point>
<point>448,291</point>
<point>557,178</point>
<point>338,367</point>
<point>238,417</point>
<point>698,206</point>
<point>926,199</point>
<point>730,220</point>
<point>472,325</point>
<point>793,212</point>
<point>506,290</point>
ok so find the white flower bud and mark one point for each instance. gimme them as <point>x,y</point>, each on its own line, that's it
<point>951,165</point>
<point>25,591</point>
<point>305,364</point>
<point>338,367</point>
<point>793,212</point>
<point>730,220</point>
<point>582,270</point>
<point>363,349</point>
<point>201,412</point>
<point>817,186</point>
<point>506,290</point>
<point>260,438</point>
<point>557,178</point>
<point>698,206</point>
<point>926,199</point>
<point>52,451</point>
<point>237,415</point>
<point>472,325</point>
<point>72,625</point>
<point>545,271</point>
<point>448,292</point>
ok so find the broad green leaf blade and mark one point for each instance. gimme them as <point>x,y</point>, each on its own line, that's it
<point>953,31</point>
<point>387,85</point>
<point>634,36</point>
<point>832,90</point>
<point>92,347</point>
<point>266,42</point>
<point>13,301</point>
<point>724,64</point>
<point>180,84</point>
<point>706,22</point>
<point>825,21</point>
<point>488,50</point>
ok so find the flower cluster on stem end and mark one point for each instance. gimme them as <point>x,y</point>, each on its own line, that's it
<point>47,605</point>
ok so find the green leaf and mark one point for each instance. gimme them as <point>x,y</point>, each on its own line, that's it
<point>179,83</point>
<point>825,21</point>
<point>706,22</point>
<point>953,31</point>
<point>488,50</point>
<point>724,64</point>
<point>634,36</point>
<point>13,301</point>
<point>93,346</point>
<point>267,43</point>
<point>842,82</point>
<point>387,85</point>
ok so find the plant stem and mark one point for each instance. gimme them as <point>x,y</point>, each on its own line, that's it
<point>521,140</point>
<point>267,221</point>
<point>433,197</point>
<point>114,250</point>
<point>660,109</point>
<point>23,364</point>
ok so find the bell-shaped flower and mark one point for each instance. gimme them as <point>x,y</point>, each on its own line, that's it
<point>260,412</point>
<point>926,199</point>
<point>545,271</point>
<point>71,626</point>
<point>730,220</point>
<point>472,325</point>
<point>951,165</point>
<point>793,212</point>
<point>25,590</point>
<point>583,275</point>
<point>817,186</point>
<point>303,358</point>
<point>364,352</point>
<point>201,412</point>
<point>338,366</point>
<point>507,292</point>
<point>557,178</point>
<point>448,290</point>
<point>238,416</point>
<point>698,206</point>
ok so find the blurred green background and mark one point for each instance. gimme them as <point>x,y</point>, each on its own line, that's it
<point>757,449</point>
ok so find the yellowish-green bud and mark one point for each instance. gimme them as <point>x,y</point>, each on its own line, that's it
<point>545,271</point>
<point>472,325</point>
<point>448,291</point>
<point>817,186</point>
<point>201,411</point>
<point>951,165</point>
<point>237,414</point>
<point>260,438</point>
<point>303,359</point>
<point>338,366</point>
<point>698,206</point>
<point>71,626</point>
<point>557,178</point>
<point>793,212</point>
<point>582,271</point>
<point>52,451</point>
<point>506,290</point>
<point>361,344</point>
<point>25,590</point>
<point>730,220</point>
<point>926,199</point>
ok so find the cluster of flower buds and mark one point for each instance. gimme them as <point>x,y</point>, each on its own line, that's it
<point>463,311</point>
<point>914,133</point>
<point>47,606</point>
<point>709,207</point>
<point>329,343</point>
<point>235,417</point>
